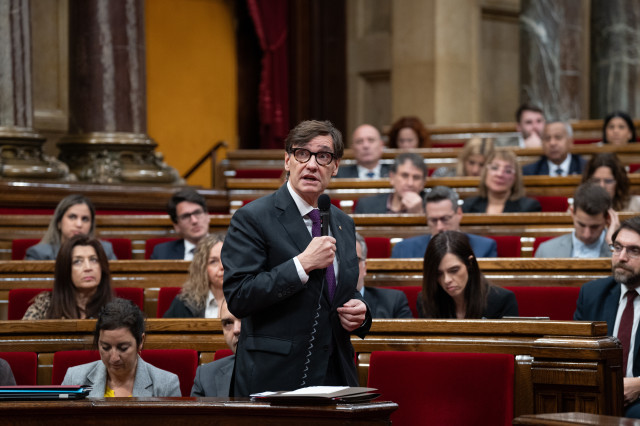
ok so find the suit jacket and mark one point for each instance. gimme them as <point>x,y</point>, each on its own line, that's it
<point>351,171</point>
<point>179,309</point>
<point>500,303</point>
<point>562,246</point>
<point>521,205</point>
<point>44,251</point>
<point>169,250</point>
<point>149,381</point>
<point>541,167</point>
<point>417,246</point>
<point>281,315</point>
<point>598,301</point>
<point>214,378</point>
<point>376,204</point>
<point>387,303</point>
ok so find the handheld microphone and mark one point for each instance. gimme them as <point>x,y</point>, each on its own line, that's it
<point>324,205</point>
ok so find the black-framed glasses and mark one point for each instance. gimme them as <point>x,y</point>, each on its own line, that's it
<point>303,155</point>
<point>187,216</point>
<point>632,251</point>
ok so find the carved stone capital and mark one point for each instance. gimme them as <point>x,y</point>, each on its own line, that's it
<point>21,157</point>
<point>113,157</point>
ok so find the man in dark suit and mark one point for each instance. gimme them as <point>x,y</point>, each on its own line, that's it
<point>295,294</point>
<point>367,148</point>
<point>614,300</point>
<point>383,302</point>
<point>443,214</point>
<point>188,212</point>
<point>214,378</point>
<point>557,140</point>
<point>407,177</point>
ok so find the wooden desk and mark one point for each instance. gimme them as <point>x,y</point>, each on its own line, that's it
<point>560,365</point>
<point>572,419</point>
<point>190,411</point>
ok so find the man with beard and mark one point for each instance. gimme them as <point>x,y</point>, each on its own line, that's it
<point>614,300</point>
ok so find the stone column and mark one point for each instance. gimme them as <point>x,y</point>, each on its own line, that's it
<point>107,140</point>
<point>21,155</point>
<point>551,60</point>
<point>615,57</point>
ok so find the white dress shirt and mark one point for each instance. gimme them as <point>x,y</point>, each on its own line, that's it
<point>189,248</point>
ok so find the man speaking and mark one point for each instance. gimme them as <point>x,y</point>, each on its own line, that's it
<point>293,288</point>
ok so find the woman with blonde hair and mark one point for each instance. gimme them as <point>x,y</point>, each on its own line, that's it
<point>470,160</point>
<point>501,188</point>
<point>201,296</point>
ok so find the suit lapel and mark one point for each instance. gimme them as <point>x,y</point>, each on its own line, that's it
<point>611,306</point>
<point>142,386</point>
<point>178,249</point>
<point>290,219</point>
<point>222,379</point>
<point>97,378</point>
<point>342,251</point>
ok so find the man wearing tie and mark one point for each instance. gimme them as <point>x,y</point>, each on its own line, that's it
<point>295,293</point>
<point>367,145</point>
<point>557,140</point>
<point>614,300</point>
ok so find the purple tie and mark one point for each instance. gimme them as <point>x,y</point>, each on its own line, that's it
<point>314,215</point>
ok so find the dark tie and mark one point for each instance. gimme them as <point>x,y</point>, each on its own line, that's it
<point>624,330</point>
<point>559,171</point>
<point>314,215</point>
<point>370,175</point>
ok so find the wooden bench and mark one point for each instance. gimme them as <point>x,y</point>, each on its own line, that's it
<point>560,366</point>
<point>153,274</point>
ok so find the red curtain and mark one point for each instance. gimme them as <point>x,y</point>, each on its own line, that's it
<point>270,18</point>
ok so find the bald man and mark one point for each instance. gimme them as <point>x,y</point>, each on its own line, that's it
<point>367,148</point>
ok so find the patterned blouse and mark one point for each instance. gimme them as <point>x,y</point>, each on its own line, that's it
<point>39,307</point>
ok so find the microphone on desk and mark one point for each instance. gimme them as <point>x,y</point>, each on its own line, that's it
<point>324,205</point>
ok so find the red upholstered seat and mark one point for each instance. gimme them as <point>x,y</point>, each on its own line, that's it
<point>19,247</point>
<point>537,241</point>
<point>222,353</point>
<point>62,360</point>
<point>553,203</point>
<point>378,247</point>
<point>634,167</point>
<point>557,303</point>
<point>165,297</point>
<point>151,243</point>
<point>136,295</point>
<point>121,247</point>
<point>445,388</point>
<point>411,291</point>
<point>508,245</point>
<point>20,299</point>
<point>182,362</point>
<point>24,366</point>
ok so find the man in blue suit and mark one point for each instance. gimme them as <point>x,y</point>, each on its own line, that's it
<point>606,299</point>
<point>188,212</point>
<point>443,214</point>
<point>557,140</point>
<point>383,302</point>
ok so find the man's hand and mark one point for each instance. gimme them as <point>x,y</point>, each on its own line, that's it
<point>613,223</point>
<point>631,389</point>
<point>412,202</point>
<point>533,141</point>
<point>352,314</point>
<point>319,254</point>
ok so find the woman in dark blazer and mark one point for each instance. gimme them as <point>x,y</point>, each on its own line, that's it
<point>501,188</point>
<point>454,287</point>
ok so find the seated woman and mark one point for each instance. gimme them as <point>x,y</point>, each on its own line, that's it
<point>454,287</point>
<point>618,129</point>
<point>470,160</point>
<point>202,294</point>
<point>81,286</point>
<point>607,171</point>
<point>407,133</point>
<point>74,215</point>
<point>119,337</point>
<point>501,189</point>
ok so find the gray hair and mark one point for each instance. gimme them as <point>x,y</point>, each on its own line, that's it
<point>439,193</point>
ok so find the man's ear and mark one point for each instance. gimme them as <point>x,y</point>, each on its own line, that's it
<point>286,161</point>
<point>335,172</point>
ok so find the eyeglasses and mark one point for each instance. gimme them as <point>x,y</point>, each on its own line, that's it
<point>187,216</point>
<point>632,251</point>
<point>303,155</point>
<point>433,221</point>
<point>494,168</point>
<point>603,181</point>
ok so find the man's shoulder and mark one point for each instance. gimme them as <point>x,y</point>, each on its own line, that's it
<point>347,171</point>
<point>535,167</point>
<point>480,239</point>
<point>599,285</point>
<point>211,367</point>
